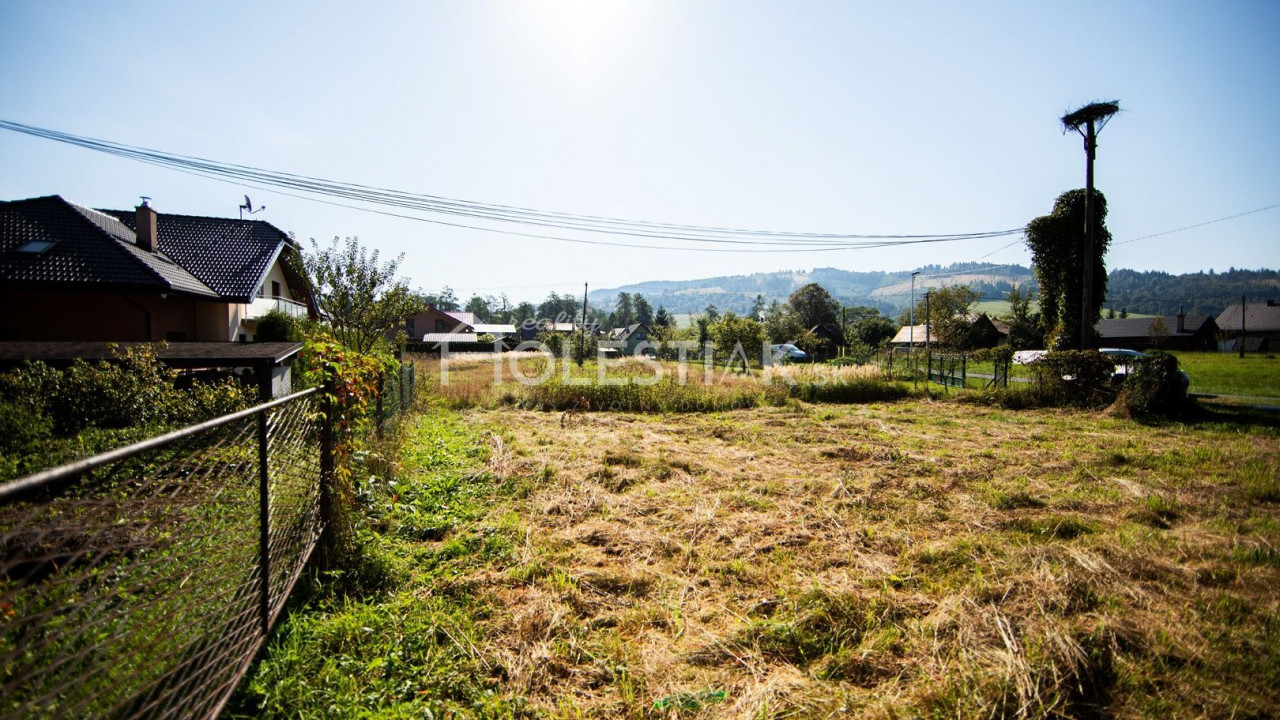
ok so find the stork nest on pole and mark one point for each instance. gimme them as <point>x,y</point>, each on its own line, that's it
<point>1093,112</point>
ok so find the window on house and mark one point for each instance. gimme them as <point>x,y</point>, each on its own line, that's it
<point>275,288</point>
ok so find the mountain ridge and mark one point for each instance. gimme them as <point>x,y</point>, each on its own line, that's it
<point>1148,292</point>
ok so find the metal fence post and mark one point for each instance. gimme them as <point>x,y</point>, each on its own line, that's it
<point>264,523</point>
<point>327,406</point>
<point>400,377</point>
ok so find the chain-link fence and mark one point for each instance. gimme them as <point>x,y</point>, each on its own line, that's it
<point>141,582</point>
<point>396,391</point>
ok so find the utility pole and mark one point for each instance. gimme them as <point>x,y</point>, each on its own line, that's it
<point>582,336</point>
<point>927,332</point>
<point>844,330</point>
<point>911,324</point>
<point>1092,117</point>
<point>1242,314</point>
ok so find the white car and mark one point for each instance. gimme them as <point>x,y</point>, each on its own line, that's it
<point>787,351</point>
<point>1026,357</point>
<point>1125,358</point>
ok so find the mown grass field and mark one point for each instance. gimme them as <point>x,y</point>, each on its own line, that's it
<point>1227,374</point>
<point>913,558</point>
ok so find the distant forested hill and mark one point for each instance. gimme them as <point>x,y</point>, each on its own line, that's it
<point>889,291</point>
<point>1159,293</point>
<point>1147,293</point>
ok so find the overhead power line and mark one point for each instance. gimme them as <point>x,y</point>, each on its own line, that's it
<point>776,241</point>
<point>1202,224</point>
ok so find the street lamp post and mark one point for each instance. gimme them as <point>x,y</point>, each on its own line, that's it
<point>911,332</point>
<point>1089,121</point>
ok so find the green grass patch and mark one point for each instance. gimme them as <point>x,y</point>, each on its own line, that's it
<point>1227,374</point>
<point>410,651</point>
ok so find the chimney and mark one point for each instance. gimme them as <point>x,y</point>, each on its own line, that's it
<point>146,225</point>
<point>1182,320</point>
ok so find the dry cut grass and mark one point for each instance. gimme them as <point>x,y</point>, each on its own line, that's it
<point>909,559</point>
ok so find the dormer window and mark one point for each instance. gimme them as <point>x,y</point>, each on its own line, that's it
<point>35,247</point>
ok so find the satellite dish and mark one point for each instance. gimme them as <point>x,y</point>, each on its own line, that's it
<point>248,205</point>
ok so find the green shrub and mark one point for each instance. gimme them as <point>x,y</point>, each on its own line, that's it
<point>1155,387</point>
<point>49,415</point>
<point>21,430</point>
<point>1074,377</point>
<point>278,326</point>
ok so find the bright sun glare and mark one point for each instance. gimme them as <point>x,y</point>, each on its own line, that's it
<point>589,37</point>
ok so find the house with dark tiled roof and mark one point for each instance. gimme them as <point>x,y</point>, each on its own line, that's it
<point>1166,332</point>
<point>69,272</point>
<point>1256,324</point>
<point>628,338</point>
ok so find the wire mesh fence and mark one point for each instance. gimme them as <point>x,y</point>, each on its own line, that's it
<point>396,391</point>
<point>141,582</point>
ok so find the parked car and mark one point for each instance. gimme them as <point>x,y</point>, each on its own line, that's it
<point>787,351</point>
<point>1124,359</point>
<point>1026,357</point>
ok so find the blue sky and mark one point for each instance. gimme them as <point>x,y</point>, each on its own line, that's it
<point>898,118</point>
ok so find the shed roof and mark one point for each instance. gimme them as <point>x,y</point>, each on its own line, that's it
<point>178,354</point>
<point>1258,317</point>
<point>906,333</point>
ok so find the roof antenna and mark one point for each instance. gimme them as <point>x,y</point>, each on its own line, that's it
<point>248,205</point>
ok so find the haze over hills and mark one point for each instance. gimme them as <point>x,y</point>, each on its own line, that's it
<point>1137,291</point>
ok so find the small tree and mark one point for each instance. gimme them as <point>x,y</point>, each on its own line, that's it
<point>732,332</point>
<point>867,327</point>
<point>362,297</point>
<point>948,314</point>
<point>1158,333</point>
<point>480,307</point>
<point>444,300</point>
<point>644,311</point>
<point>662,319</point>
<point>277,326</point>
<point>1024,326</point>
<point>814,307</point>
<point>780,323</point>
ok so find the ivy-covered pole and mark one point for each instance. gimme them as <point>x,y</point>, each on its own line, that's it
<point>1092,118</point>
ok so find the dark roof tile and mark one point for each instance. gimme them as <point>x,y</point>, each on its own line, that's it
<point>229,255</point>
<point>86,249</point>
